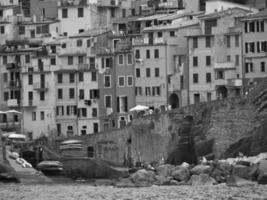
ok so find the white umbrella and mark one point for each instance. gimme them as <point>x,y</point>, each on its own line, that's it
<point>13,111</point>
<point>2,112</point>
<point>139,108</point>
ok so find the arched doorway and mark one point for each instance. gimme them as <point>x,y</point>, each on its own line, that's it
<point>174,101</point>
<point>222,92</point>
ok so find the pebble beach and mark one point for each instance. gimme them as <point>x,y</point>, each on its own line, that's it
<point>88,192</point>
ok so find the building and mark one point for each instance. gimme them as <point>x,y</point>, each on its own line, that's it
<point>215,55</point>
<point>46,9</point>
<point>254,34</point>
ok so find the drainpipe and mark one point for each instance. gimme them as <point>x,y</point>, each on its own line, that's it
<point>188,74</point>
<point>166,68</point>
<point>77,94</point>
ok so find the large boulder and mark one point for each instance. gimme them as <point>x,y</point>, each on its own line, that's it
<point>125,182</point>
<point>262,172</point>
<point>201,169</point>
<point>220,171</point>
<point>180,173</point>
<point>163,180</point>
<point>202,179</point>
<point>143,178</point>
<point>164,170</point>
<point>242,171</point>
<point>236,181</point>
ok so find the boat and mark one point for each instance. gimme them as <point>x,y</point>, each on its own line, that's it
<point>50,167</point>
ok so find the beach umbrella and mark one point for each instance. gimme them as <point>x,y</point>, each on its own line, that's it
<point>139,108</point>
<point>2,112</point>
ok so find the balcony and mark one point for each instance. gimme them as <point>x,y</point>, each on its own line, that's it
<point>224,65</point>
<point>108,3</point>
<point>10,66</point>
<point>29,104</point>
<point>123,46</point>
<point>71,3</point>
<point>146,41</point>
<point>13,103</point>
<point>14,84</point>
<point>234,82</point>
<point>40,86</point>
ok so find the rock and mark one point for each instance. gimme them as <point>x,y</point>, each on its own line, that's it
<point>201,169</point>
<point>202,179</point>
<point>125,182</point>
<point>5,168</point>
<point>8,178</point>
<point>143,178</point>
<point>163,180</point>
<point>241,171</point>
<point>164,170</point>
<point>237,181</point>
<point>181,174</point>
<point>262,172</point>
<point>220,171</point>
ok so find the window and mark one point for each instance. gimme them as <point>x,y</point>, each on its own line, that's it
<point>137,53</point>
<point>147,72</point>
<point>156,91</point>
<point>42,115</point>
<point>208,77</point>
<point>157,72</point>
<point>120,59</point>
<point>30,96</point>
<point>208,96</point>
<point>94,76</point>
<point>236,60</point>
<point>237,40</point>
<point>138,91</point>
<point>228,41</point>
<point>79,43</point>
<point>156,53</point>
<point>251,27</point>
<point>159,34</point>
<point>71,93</point>
<point>58,129</point>
<point>107,81</point>
<point>208,62</point>
<point>262,23</point>
<point>81,94</point>
<point>42,96</point>
<point>123,12</point>
<point>195,61</point>
<point>81,30</point>
<point>92,62</point>
<point>82,112</point>
<point>249,47</point>
<point>80,12</point>
<point>71,110</point>
<point>30,79</point>
<point>172,33</point>
<point>6,95</point>
<point>262,46</point>
<point>63,45</point>
<point>64,13</point>
<point>121,81</point>
<point>147,53</point>
<point>112,13</point>
<point>94,94</point>
<point>72,77</point>
<point>2,29</point>
<point>80,59</point>
<point>129,81</point>
<point>94,112</point>
<point>70,60</point>
<point>208,42</point>
<point>195,78</point>
<point>59,93</point>
<point>228,57</point>
<point>60,110</point>
<point>33,116</point>
<point>137,72</point>
<point>59,78</point>
<point>5,77</point>
<point>108,101</point>
<point>129,59</point>
<point>220,75</point>
<point>4,60</point>
<point>53,61</point>
<point>262,66</point>
<point>249,67</point>
<point>147,91</point>
<point>21,30</point>
<point>195,42</point>
<point>80,76</point>
<point>89,43</point>
<point>95,127</point>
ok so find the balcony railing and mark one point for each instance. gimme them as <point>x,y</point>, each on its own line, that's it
<point>40,86</point>
<point>14,84</point>
<point>13,66</point>
<point>234,82</point>
<point>224,65</point>
<point>123,46</point>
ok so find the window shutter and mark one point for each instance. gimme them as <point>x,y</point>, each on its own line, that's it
<point>91,95</point>
<point>118,104</point>
<point>258,46</point>
<point>126,104</point>
<point>68,110</point>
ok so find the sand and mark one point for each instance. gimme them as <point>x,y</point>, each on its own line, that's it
<point>87,192</point>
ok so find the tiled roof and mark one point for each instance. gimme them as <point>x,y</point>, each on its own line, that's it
<point>261,14</point>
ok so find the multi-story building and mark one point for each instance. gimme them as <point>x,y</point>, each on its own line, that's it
<point>254,34</point>
<point>215,56</point>
<point>45,9</point>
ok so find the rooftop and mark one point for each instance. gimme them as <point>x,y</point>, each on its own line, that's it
<point>90,33</point>
<point>259,15</point>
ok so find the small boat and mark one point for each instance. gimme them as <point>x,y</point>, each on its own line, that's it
<point>50,167</point>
